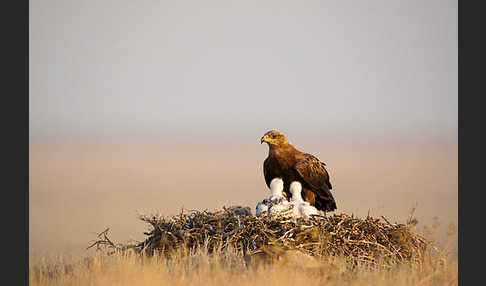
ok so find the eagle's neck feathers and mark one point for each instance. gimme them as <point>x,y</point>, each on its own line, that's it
<point>283,153</point>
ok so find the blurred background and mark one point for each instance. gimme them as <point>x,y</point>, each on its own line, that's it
<point>154,106</point>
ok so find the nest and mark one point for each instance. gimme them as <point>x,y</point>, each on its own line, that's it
<point>368,240</point>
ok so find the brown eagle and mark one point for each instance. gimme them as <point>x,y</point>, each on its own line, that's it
<point>290,164</point>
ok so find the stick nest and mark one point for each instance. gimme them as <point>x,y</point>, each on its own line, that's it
<point>368,240</point>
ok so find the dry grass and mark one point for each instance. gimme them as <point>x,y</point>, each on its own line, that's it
<point>228,267</point>
<point>224,247</point>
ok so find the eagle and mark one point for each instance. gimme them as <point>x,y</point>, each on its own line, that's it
<point>284,161</point>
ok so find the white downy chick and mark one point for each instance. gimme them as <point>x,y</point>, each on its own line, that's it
<point>276,203</point>
<point>276,196</point>
<point>276,188</point>
<point>279,203</point>
<point>262,207</point>
<point>301,207</point>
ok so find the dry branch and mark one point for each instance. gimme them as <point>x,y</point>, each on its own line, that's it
<point>369,240</point>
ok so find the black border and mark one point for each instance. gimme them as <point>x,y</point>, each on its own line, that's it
<point>15,96</point>
<point>471,122</point>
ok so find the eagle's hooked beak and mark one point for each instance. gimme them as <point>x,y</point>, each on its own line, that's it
<point>263,140</point>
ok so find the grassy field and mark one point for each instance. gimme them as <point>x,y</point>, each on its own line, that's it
<point>78,190</point>
<point>285,260</point>
<point>232,268</point>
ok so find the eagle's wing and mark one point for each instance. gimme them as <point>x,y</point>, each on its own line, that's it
<point>313,172</point>
<point>327,180</point>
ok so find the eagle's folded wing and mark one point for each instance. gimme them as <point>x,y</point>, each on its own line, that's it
<point>313,172</point>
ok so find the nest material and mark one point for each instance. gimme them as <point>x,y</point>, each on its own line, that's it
<point>368,240</point>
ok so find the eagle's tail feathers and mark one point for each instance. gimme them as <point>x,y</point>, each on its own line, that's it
<point>325,201</point>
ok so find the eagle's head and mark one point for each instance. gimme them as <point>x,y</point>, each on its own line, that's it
<point>274,138</point>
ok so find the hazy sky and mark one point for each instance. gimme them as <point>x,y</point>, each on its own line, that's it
<point>228,67</point>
